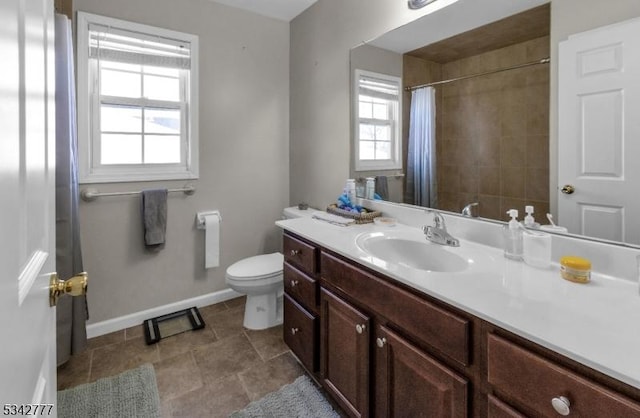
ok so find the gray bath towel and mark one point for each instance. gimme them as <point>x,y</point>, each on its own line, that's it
<point>154,217</point>
<point>382,187</point>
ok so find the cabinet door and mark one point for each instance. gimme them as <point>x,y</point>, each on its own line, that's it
<point>300,333</point>
<point>344,354</point>
<point>410,383</point>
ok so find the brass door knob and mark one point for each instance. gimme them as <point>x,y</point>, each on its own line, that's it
<point>568,189</point>
<point>75,286</point>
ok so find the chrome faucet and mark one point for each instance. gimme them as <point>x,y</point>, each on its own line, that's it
<point>437,233</point>
<point>466,211</point>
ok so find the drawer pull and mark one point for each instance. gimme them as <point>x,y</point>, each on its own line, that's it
<point>295,252</point>
<point>561,405</point>
<point>380,342</point>
<point>294,331</point>
<point>360,328</point>
<point>294,283</point>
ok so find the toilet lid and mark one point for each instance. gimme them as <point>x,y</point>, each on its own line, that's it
<point>257,267</point>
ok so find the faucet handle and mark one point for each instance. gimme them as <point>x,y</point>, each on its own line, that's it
<point>466,211</point>
<point>438,219</point>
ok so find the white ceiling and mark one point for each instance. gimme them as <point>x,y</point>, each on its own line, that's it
<point>280,9</point>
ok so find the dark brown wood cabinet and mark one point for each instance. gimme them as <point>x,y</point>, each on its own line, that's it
<point>344,353</point>
<point>300,305</point>
<point>300,329</point>
<point>410,383</point>
<point>498,409</point>
<point>534,384</point>
<point>382,349</point>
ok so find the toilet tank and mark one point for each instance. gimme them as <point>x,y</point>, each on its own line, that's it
<point>293,212</point>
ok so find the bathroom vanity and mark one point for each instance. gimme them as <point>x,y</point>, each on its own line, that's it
<point>387,341</point>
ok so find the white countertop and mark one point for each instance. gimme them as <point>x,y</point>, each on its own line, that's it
<point>597,324</point>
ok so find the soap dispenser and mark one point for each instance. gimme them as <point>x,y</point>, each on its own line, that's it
<point>512,234</point>
<point>529,221</point>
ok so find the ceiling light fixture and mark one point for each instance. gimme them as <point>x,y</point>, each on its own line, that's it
<point>418,4</point>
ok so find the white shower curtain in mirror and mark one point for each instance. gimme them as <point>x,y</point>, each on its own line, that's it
<point>421,156</point>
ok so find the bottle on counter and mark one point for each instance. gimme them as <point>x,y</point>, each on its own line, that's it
<point>350,190</point>
<point>512,234</point>
<point>529,221</point>
<point>370,188</point>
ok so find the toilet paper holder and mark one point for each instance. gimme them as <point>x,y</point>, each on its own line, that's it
<point>200,218</point>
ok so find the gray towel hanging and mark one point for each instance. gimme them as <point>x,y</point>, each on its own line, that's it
<point>154,217</point>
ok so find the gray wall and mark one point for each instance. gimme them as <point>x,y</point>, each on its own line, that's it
<point>321,38</point>
<point>244,163</point>
<point>320,41</point>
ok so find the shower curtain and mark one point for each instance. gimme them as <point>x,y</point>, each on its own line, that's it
<point>421,157</point>
<point>71,311</point>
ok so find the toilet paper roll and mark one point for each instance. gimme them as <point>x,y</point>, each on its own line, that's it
<point>212,241</point>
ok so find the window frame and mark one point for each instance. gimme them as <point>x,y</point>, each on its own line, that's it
<point>89,100</point>
<point>395,162</point>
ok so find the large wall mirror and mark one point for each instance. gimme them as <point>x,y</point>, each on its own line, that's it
<point>474,116</point>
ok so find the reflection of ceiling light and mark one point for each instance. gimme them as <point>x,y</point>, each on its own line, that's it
<point>417,4</point>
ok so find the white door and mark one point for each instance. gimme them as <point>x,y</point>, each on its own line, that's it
<point>27,205</point>
<point>599,132</point>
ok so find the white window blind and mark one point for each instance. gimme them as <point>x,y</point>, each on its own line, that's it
<point>130,47</point>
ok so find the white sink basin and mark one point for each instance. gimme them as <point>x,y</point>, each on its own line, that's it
<point>411,250</point>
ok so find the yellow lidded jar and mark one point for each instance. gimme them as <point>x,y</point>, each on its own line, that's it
<point>575,269</point>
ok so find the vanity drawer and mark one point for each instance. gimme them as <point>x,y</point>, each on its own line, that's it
<point>533,382</point>
<point>300,330</point>
<point>498,409</point>
<point>300,287</point>
<point>300,254</point>
<point>443,330</point>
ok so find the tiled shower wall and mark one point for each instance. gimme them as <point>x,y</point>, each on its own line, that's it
<point>492,132</point>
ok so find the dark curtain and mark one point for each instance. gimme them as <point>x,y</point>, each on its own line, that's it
<point>71,311</point>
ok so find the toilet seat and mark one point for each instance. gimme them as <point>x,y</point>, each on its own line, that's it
<point>259,267</point>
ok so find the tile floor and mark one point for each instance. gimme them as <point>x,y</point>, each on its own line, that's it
<point>207,373</point>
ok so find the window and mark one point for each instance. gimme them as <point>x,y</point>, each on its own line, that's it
<point>377,122</point>
<point>137,102</point>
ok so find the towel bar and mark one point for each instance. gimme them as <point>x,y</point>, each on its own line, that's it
<point>90,194</point>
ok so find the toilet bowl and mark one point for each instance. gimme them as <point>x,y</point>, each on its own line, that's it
<point>260,278</point>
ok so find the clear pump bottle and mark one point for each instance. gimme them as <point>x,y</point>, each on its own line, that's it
<point>529,221</point>
<point>512,234</point>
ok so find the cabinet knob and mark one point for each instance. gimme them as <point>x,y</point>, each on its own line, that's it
<point>295,252</point>
<point>360,328</point>
<point>561,405</point>
<point>294,331</point>
<point>380,342</point>
<point>294,283</point>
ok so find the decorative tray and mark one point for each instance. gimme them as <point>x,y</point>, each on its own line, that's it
<point>359,218</point>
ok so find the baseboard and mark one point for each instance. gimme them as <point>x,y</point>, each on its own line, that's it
<point>137,318</point>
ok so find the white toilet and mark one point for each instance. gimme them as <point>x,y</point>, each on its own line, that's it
<point>260,278</point>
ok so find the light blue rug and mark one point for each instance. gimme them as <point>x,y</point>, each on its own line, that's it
<point>133,393</point>
<point>295,400</point>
